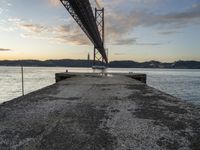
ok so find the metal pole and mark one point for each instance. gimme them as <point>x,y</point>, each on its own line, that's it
<point>107,56</point>
<point>22,72</point>
<point>94,61</point>
<point>103,25</point>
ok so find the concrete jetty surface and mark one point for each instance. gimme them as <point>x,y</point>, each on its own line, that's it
<point>94,112</point>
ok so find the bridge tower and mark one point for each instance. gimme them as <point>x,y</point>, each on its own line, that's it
<point>99,18</point>
<point>92,25</point>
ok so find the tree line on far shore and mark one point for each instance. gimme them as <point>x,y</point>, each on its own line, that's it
<point>113,64</point>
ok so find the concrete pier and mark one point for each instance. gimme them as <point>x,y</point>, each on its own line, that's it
<point>95,112</point>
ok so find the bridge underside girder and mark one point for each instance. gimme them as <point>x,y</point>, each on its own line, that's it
<point>82,13</point>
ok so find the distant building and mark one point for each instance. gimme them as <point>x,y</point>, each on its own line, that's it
<point>88,57</point>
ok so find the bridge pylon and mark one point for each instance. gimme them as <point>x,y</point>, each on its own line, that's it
<point>93,26</point>
<point>99,18</point>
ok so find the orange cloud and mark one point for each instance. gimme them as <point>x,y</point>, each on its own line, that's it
<point>55,2</point>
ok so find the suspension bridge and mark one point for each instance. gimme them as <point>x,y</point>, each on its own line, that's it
<point>91,23</point>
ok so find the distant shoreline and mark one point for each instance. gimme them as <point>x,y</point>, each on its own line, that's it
<point>112,64</point>
<point>108,67</point>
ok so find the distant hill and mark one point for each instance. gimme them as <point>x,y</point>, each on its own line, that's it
<point>49,63</point>
<point>112,64</point>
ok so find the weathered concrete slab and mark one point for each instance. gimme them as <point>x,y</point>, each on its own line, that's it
<point>99,112</point>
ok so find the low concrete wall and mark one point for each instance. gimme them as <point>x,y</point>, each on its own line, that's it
<point>140,77</point>
<point>62,76</point>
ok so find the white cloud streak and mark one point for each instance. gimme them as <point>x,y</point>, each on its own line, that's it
<point>119,23</point>
<point>55,2</point>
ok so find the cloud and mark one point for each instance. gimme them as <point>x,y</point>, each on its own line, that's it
<point>176,19</point>
<point>68,33</point>
<point>73,39</point>
<point>10,24</point>
<point>149,44</point>
<point>4,49</point>
<point>125,41</point>
<point>34,28</point>
<point>139,17</point>
<point>71,34</point>
<point>118,54</point>
<point>54,2</point>
<point>14,20</point>
<point>1,10</point>
<point>167,32</point>
<point>120,23</point>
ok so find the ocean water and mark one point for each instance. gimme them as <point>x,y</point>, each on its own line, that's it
<point>181,83</point>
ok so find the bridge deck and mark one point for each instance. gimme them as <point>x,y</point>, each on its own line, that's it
<point>95,112</point>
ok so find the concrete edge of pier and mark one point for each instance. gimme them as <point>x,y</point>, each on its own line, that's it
<point>66,75</point>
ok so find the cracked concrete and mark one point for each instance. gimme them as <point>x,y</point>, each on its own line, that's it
<point>99,113</point>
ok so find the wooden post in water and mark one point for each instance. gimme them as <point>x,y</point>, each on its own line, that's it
<point>22,72</point>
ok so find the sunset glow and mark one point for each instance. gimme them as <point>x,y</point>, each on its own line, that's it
<point>139,30</point>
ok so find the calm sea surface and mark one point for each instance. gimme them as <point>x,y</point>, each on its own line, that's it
<point>184,84</point>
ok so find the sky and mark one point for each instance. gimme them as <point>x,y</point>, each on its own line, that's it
<point>139,30</point>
